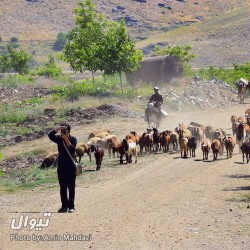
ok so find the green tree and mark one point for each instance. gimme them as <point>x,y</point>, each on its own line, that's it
<point>14,60</point>
<point>82,50</point>
<point>183,52</point>
<point>61,39</point>
<point>5,64</point>
<point>119,53</point>
<point>20,60</point>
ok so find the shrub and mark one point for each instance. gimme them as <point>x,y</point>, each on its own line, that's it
<point>50,69</point>
<point>14,39</point>
<point>60,41</point>
<point>230,76</point>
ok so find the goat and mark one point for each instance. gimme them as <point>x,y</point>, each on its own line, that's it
<point>192,145</point>
<point>216,148</point>
<point>184,147</point>
<point>245,149</point>
<point>81,149</point>
<point>50,160</point>
<point>205,147</point>
<point>229,142</point>
<point>99,154</point>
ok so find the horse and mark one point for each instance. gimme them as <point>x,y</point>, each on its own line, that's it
<point>242,86</point>
<point>153,115</point>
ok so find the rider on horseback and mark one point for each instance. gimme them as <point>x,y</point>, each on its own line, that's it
<point>157,100</point>
<point>154,107</point>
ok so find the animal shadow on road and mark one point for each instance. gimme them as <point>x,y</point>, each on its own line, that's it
<point>239,162</point>
<point>238,176</point>
<point>179,157</point>
<point>237,188</point>
<point>206,161</point>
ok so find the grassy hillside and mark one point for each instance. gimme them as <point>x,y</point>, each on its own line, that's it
<point>44,19</point>
<point>219,41</point>
<point>218,30</point>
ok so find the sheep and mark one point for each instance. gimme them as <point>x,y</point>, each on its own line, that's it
<point>192,145</point>
<point>146,140</point>
<point>81,149</point>
<point>113,143</point>
<point>205,147</point>
<point>103,143</point>
<point>156,139</point>
<point>234,122</point>
<point>99,154</point>
<point>50,160</point>
<point>130,136</point>
<point>242,133</point>
<point>95,132</point>
<point>229,142</point>
<point>183,132</point>
<point>165,140</point>
<point>174,139</point>
<point>216,148</point>
<point>93,140</point>
<point>184,147</point>
<point>137,137</point>
<point>130,149</point>
<point>197,130</point>
<point>209,132</point>
<point>245,149</point>
<point>102,134</point>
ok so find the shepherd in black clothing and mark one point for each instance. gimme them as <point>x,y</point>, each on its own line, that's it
<point>156,98</point>
<point>66,169</point>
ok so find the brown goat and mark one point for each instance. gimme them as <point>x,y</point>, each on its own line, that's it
<point>95,132</point>
<point>216,148</point>
<point>184,147</point>
<point>81,149</point>
<point>229,142</point>
<point>165,141</point>
<point>49,160</point>
<point>205,147</point>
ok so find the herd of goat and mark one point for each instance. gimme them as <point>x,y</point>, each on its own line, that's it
<point>186,139</point>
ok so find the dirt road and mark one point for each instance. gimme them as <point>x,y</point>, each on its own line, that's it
<point>162,202</point>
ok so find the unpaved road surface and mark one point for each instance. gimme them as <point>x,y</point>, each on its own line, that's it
<point>162,202</point>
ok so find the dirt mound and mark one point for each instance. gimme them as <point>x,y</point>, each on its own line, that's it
<point>76,116</point>
<point>19,164</point>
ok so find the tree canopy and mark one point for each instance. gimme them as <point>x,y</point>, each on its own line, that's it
<point>15,60</point>
<point>183,52</point>
<point>97,44</point>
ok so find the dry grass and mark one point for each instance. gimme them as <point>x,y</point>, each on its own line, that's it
<point>43,20</point>
<point>36,25</point>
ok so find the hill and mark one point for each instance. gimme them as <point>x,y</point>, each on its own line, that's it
<point>218,30</point>
<point>44,19</point>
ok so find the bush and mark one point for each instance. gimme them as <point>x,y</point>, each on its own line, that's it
<point>14,39</point>
<point>74,90</point>
<point>230,76</point>
<point>13,82</point>
<point>50,69</point>
<point>60,41</point>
